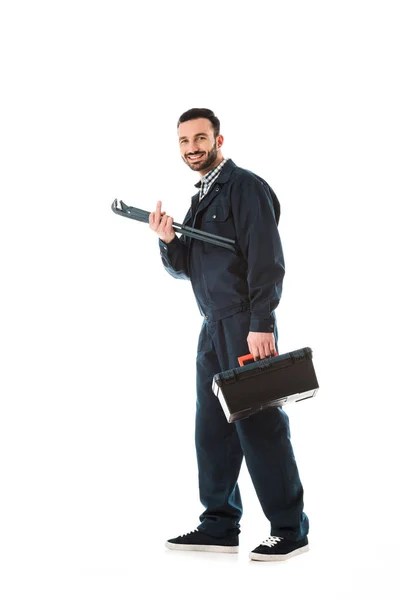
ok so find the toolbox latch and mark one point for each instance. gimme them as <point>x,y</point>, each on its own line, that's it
<point>301,355</point>
<point>263,364</point>
<point>230,376</point>
<point>297,356</point>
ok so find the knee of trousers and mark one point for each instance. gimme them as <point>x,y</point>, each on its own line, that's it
<point>267,425</point>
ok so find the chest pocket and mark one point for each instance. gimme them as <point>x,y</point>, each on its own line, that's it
<point>217,220</point>
<point>216,214</point>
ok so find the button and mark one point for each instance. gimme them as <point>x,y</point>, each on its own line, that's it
<point>217,189</point>
<point>214,216</point>
<point>206,317</point>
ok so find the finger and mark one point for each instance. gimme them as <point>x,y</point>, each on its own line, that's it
<point>265,351</point>
<point>154,222</point>
<point>271,346</point>
<point>158,211</point>
<point>151,220</point>
<point>168,226</point>
<point>269,350</point>
<point>163,222</point>
<point>254,351</point>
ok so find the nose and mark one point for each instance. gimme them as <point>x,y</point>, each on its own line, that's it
<point>192,149</point>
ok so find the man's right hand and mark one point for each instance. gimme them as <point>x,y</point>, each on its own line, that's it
<point>162,224</point>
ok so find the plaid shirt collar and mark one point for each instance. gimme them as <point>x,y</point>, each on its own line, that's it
<point>206,182</point>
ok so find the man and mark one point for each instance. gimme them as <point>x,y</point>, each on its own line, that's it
<point>237,293</point>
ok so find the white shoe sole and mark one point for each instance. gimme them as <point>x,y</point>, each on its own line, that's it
<point>271,557</point>
<point>203,548</point>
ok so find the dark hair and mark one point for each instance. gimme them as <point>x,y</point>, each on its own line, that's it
<point>201,113</point>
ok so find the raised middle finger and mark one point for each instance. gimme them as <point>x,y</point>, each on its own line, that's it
<point>158,211</point>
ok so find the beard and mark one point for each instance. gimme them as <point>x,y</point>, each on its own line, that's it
<point>206,160</point>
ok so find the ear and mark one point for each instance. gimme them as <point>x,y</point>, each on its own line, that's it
<point>220,140</point>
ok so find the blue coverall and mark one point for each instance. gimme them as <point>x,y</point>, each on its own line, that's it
<point>237,293</point>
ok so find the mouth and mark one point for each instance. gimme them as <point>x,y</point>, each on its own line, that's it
<point>195,158</point>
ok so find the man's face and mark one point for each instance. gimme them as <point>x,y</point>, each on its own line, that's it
<point>197,144</point>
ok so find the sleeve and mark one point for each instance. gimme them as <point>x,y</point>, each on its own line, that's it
<point>259,241</point>
<point>174,257</point>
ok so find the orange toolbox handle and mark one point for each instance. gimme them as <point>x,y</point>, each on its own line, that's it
<point>250,357</point>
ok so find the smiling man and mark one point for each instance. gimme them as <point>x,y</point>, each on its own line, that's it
<point>237,294</point>
<point>206,155</point>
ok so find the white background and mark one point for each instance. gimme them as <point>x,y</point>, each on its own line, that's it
<point>98,465</point>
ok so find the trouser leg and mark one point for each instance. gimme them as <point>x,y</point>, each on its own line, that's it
<point>265,439</point>
<point>265,442</point>
<point>219,454</point>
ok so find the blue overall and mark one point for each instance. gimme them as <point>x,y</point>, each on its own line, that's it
<point>237,293</point>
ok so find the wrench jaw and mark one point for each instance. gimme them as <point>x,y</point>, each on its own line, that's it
<point>119,206</point>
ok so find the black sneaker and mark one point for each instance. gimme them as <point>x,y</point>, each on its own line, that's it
<point>278,548</point>
<point>197,540</point>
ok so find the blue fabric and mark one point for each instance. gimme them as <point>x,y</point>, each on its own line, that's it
<point>237,293</point>
<point>263,439</point>
<point>241,206</point>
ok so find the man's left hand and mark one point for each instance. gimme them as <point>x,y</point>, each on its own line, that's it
<point>261,345</point>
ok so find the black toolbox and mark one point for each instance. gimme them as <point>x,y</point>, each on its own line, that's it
<point>258,385</point>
